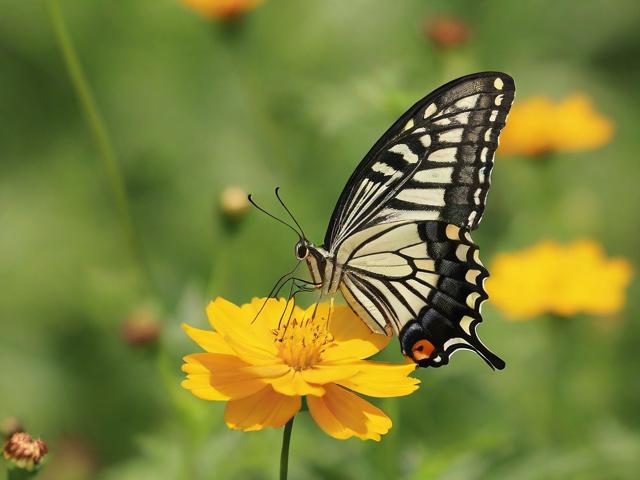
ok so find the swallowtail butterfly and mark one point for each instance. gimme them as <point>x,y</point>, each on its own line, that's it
<point>398,246</point>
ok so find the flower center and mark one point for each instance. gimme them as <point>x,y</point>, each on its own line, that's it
<point>301,342</point>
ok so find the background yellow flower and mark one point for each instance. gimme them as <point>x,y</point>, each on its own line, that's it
<point>561,279</point>
<point>539,125</point>
<point>263,365</point>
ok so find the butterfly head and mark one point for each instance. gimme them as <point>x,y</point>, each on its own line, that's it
<point>302,249</point>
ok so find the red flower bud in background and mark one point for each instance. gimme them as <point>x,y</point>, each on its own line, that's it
<point>446,32</point>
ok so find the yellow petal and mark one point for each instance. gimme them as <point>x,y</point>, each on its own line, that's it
<point>352,337</point>
<point>343,414</point>
<point>210,341</point>
<point>377,379</point>
<point>328,373</point>
<point>292,383</point>
<point>214,376</point>
<point>235,324</point>
<point>265,408</point>
<point>271,311</point>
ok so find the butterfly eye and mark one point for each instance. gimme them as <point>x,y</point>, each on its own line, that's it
<point>422,350</point>
<point>301,251</point>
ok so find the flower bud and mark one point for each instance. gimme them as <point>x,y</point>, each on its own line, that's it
<point>234,203</point>
<point>23,451</point>
<point>140,328</point>
<point>446,31</point>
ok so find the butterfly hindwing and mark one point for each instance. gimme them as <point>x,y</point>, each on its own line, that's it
<point>434,163</point>
<point>406,269</point>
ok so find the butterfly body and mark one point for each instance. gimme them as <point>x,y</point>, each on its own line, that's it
<point>398,246</point>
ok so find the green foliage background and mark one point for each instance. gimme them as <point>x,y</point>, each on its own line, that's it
<point>294,95</point>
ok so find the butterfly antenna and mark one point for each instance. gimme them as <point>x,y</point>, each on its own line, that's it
<point>276,288</point>
<point>289,212</point>
<point>271,215</point>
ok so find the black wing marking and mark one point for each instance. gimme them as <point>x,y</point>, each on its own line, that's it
<point>426,273</point>
<point>434,163</point>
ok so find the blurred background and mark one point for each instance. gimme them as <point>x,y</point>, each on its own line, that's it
<point>117,224</point>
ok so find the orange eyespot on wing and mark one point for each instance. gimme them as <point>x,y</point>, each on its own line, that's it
<point>422,350</point>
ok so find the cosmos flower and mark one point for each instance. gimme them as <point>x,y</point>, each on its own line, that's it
<point>262,367</point>
<point>560,279</point>
<point>539,126</point>
<point>222,9</point>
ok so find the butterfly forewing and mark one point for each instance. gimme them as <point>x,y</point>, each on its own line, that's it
<point>434,163</point>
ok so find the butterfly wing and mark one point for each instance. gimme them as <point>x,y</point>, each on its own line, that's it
<point>422,280</point>
<point>434,163</point>
<point>400,230</point>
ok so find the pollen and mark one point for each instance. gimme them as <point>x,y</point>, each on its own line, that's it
<point>301,342</point>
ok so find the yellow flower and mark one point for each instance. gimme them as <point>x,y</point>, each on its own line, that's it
<point>560,279</point>
<point>538,126</point>
<point>263,367</point>
<point>222,9</point>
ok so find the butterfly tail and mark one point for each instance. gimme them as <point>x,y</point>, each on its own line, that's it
<point>495,362</point>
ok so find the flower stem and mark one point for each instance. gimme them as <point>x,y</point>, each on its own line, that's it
<point>284,453</point>
<point>101,135</point>
<point>20,474</point>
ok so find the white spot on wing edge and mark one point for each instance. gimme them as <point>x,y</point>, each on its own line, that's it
<point>472,298</point>
<point>472,276</point>
<point>409,124</point>
<point>452,232</point>
<point>465,323</point>
<point>476,196</point>
<point>430,110</point>
<point>483,154</point>
<point>487,135</point>
<point>494,115</point>
<point>498,100</point>
<point>461,252</point>
<point>498,83</point>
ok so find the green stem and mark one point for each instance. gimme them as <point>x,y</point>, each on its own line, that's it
<point>20,474</point>
<point>284,453</point>
<point>100,134</point>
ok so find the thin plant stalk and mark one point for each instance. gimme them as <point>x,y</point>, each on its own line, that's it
<point>100,134</point>
<point>284,453</point>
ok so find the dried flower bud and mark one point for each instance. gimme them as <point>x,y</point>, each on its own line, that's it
<point>234,203</point>
<point>23,451</point>
<point>140,328</point>
<point>9,426</point>
<point>446,31</point>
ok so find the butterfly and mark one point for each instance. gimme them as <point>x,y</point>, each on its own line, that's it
<point>398,245</point>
